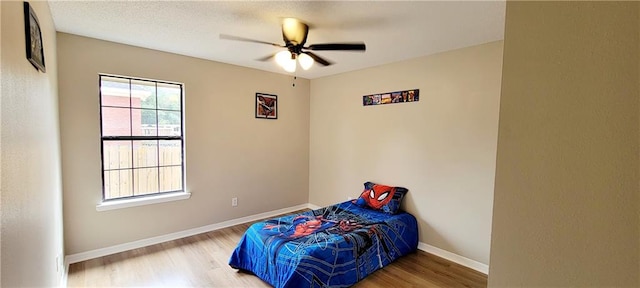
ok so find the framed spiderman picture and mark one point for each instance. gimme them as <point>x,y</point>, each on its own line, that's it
<point>266,106</point>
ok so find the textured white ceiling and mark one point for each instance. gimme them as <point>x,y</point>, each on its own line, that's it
<point>392,30</point>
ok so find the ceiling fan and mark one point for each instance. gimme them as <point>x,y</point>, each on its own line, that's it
<point>295,34</point>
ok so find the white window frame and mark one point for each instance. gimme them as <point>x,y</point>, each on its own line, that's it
<point>151,198</point>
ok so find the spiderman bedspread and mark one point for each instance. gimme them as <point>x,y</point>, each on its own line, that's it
<point>335,246</point>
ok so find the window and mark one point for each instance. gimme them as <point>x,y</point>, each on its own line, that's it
<point>142,137</point>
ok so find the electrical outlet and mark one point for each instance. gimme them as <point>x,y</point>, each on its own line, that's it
<point>234,201</point>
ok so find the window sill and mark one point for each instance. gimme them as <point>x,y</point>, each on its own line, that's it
<point>126,203</point>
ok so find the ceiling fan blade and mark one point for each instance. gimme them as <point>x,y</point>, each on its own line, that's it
<point>338,46</point>
<point>294,31</point>
<point>266,58</point>
<point>318,58</point>
<point>236,38</point>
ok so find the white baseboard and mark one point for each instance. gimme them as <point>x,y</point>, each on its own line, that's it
<point>464,261</point>
<point>79,257</point>
<point>313,206</point>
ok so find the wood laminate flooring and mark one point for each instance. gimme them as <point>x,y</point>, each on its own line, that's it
<point>201,261</point>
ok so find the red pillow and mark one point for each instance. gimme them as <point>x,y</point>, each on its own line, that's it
<point>381,197</point>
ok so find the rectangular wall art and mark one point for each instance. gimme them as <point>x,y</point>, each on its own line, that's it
<point>391,97</point>
<point>33,37</point>
<point>266,106</point>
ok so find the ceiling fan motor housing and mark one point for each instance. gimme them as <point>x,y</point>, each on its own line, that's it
<point>294,32</point>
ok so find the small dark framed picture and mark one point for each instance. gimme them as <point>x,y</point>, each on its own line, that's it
<point>266,106</point>
<point>33,36</point>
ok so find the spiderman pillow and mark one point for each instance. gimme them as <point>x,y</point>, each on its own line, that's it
<point>380,197</point>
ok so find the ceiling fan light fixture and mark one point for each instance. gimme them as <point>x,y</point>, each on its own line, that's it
<point>294,31</point>
<point>286,60</point>
<point>305,61</point>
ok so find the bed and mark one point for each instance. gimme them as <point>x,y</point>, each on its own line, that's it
<point>334,246</point>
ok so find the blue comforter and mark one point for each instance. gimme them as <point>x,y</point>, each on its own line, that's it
<point>335,246</point>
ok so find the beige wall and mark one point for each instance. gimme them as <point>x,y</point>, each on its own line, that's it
<point>32,234</point>
<point>441,148</point>
<point>228,152</point>
<point>566,195</point>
